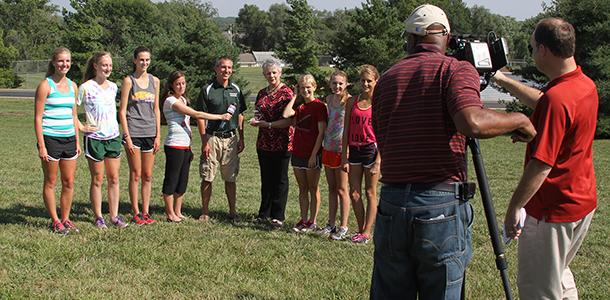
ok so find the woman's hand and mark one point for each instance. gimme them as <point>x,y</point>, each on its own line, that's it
<point>313,162</point>
<point>43,154</point>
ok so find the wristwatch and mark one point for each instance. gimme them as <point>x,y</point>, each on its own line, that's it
<point>270,125</point>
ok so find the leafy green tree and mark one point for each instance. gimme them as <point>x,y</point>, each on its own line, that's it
<point>32,27</point>
<point>299,48</point>
<point>181,34</point>
<point>371,35</point>
<point>254,26</point>
<point>8,78</point>
<point>278,13</point>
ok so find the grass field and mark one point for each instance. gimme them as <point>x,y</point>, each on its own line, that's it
<point>220,260</point>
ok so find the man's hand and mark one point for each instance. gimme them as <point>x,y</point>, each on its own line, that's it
<point>241,146</point>
<point>525,134</point>
<point>511,223</point>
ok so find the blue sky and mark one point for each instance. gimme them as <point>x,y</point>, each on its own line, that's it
<point>520,9</point>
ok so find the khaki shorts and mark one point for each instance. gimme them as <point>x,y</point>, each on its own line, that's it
<point>223,156</point>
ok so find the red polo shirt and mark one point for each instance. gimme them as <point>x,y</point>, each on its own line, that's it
<point>413,105</point>
<point>565,119</point>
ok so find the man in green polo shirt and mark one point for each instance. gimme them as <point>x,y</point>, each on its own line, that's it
<point>221,144</point>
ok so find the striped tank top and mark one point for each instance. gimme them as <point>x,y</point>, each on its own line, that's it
<point>57,118</point>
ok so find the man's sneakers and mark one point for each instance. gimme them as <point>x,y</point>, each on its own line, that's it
<point>339,234</point>
<point>59,228</point>
<point>360,238</point>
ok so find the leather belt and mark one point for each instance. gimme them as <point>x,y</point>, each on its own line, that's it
<point>224,134</point>
<point>461,190</point>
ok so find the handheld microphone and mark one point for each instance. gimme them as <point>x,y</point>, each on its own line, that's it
<point>230,110</point>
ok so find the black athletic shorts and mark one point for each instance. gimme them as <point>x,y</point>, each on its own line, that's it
<point>60,147</point>
<point>144,144</point>
<point>363,155</point>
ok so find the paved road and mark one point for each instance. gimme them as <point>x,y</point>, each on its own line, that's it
<point>12,93</point>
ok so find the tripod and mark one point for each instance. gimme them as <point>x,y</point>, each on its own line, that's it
<point>490,214</point>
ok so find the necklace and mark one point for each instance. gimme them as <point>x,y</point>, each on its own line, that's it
<point>273,90</point>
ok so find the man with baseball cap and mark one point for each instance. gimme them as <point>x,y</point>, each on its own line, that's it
<point>424,107</point>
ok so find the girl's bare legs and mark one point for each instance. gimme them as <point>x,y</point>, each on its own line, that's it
<point>301,176</point>
<point>148,162</point>
<point>112,177</point>
<point>370,183</point>
<point>313,178</point>
<point>342,191</point>
<point>67,169</point>
<point>355,191</point>
<point>333,196</point>
<point>135,172</point>
<point>49,170</point>
<point>178,198</point>
<point>95,188</point>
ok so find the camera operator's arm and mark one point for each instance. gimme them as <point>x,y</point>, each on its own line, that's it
<point>533,176</point>
<point>526,94</point>
<point>477,122</point>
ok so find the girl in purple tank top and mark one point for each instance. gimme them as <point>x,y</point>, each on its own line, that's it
<point>141,124</point>
<point>360,157</point>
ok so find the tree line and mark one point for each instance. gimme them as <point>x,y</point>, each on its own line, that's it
<point>188,35</point>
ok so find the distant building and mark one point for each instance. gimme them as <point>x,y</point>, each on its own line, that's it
<point>262,56</point>
<point>246,60</point>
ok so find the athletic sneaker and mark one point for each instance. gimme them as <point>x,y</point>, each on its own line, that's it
<point>299,226</point>
<point>138,220</point>
<point>148,219</point>
<point>100,223</point>
<point>58,227</point>
<point>360,238</point>
<point>309,227</point>
<point>340,234</point>
<point>68,224</point>
<point>118,222</point>
<point>328,229</point>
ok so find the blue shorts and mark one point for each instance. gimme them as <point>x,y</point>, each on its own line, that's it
<point>362,155</point>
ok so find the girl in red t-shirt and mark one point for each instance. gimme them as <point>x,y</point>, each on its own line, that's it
<point>360,157</point>
<point>309,125</point>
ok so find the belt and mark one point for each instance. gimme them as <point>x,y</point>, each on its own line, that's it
<point>461,190</point>
<point>224,134</point>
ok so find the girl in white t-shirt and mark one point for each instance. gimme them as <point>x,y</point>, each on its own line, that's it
<point>177,144</point>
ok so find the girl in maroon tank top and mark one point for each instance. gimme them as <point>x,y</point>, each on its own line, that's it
<point>360,157</point>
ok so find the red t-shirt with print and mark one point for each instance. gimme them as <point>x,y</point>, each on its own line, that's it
<point>306,131</point>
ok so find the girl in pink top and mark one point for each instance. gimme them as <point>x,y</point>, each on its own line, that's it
<point>360,157</point>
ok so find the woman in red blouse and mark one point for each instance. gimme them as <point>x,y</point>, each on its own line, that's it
<point>272,144</point>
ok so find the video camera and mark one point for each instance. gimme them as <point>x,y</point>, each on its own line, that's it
<point>486,57</point>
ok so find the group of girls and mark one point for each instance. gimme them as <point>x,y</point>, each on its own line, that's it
<point>57,130</point>
<point>337,134</point>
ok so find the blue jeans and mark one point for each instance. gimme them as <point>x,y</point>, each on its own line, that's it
<point>422,244</point>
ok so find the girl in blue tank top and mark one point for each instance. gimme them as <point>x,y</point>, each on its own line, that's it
<point>56,127</point>
<point>141,123</point>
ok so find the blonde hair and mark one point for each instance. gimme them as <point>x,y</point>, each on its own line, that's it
<point>344,94</point>
<point>369,69</point>
<point>90,70</point>
<point>56,52</point>
<point>303,80</point>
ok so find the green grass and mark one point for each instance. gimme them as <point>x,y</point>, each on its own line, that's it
<point>218,260</point>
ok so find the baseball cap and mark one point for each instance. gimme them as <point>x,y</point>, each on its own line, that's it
<point>424,16</point>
